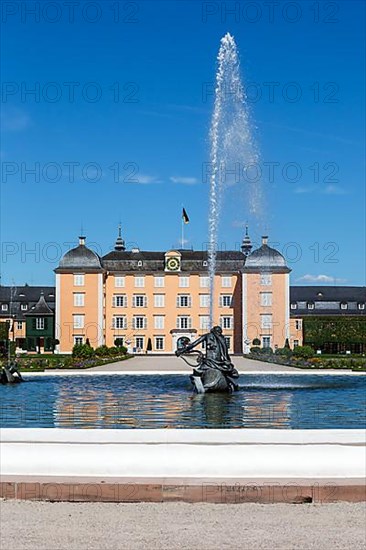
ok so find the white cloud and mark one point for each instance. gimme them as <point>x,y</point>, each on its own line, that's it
<point>138,178</point>
<point>334,190</point>
<point>328,190</point>
<point>303,190</point>
<point>184,180</point>
<point>15,120</point>
<point>319,279</point>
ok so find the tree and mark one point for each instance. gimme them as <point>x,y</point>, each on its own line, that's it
<point>149,345</point>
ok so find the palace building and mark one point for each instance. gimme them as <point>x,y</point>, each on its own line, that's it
<point>148,300</point>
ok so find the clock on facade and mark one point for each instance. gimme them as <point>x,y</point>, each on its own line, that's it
<point>172,264</point>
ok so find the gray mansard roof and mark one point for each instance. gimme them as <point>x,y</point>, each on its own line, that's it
<point>266,258</point>
<point>26,296</point>
<point>191,261</point>
<point>327,300</point>
<point>80,258</point>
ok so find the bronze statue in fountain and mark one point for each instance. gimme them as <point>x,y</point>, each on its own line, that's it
<point>213,371</point>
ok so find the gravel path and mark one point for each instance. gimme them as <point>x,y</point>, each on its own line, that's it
<point>178,526</point>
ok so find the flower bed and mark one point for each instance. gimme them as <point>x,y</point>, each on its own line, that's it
<point>301,359</point>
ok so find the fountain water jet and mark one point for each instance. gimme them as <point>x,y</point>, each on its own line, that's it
<point>232,147</point>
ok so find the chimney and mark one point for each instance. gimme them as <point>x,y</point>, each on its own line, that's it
<point>265,240</point>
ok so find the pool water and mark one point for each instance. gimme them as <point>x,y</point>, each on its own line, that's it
<point>167,401</point>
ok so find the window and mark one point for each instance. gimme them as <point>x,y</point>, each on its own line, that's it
<point>119,322</point>
<point>159,300</point>
<point>266,299</point>
<point>204,300</point>
<point>119,300</point>
<point>204,322</point>
<point>78,340</point>
<point>184,282</point>
<point>39,323</point>
<point>227,341</point>
<point>4,307</point>
<point>266,279</point>
<point>293,305</point>
<point>78,299</point>
<point>79,279</point>
<point>226,282</point>
<point>139,322</point>
<point>184,322</point>
<point>19,325</point>
<point>361,306</point>
<point>226,322</point>
<point>184,300</point>
<point>139,341</point>
<point>266,321</point>
<point>225,300</point>
<point>139,300</point>
<point>159,282</point>
<point>204,282</point>
<point>298,324</point>
<point>159,321</point>
<point>344,305</point>
<point>159,343</point>
<point>310,305</point>
<point>266,341</point>
<point>119,281</point>
<point>296,343</point>
<point>78,321</point>
<point>139,282</point>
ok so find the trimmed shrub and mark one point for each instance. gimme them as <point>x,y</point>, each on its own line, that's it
<point>102,351</point>
<point>256,342</point>
<point>303,352</point>
<point>284,352</point>
<point>83,351</point>
<point>113,351</point>
<point>255,349</point>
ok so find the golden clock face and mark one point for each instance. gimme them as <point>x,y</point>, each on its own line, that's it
<point>172,264</point>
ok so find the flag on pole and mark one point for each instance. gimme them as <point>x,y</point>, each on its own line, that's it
<point>185,216</point>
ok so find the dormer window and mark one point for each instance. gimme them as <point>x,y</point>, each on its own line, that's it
<point>24,307</point>
<point>293,305</point>
<point>310,305</point>
<point>4,307</point>
<point>204,263</point>
<point>139,263</point>
<point>344,305</point>
<point>361,305</point>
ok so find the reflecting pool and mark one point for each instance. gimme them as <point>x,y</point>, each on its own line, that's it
<point>167,401</point>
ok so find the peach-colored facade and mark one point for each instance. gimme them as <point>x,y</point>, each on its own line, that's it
<point>266,311</point>
<point>153,311</point>
<point>160,306</point>
<point>17,328</point>
<point>79,318</point>
<point>150,300</point>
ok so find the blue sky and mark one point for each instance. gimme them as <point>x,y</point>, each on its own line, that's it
<point>162,57</point>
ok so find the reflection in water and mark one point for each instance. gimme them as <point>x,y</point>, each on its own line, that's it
<point>125,402</point>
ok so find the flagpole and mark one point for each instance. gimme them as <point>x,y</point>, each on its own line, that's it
<point>182,232</point>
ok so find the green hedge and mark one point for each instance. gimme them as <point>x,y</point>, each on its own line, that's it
<point>342,330</point>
